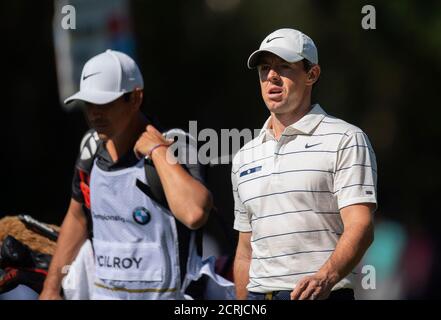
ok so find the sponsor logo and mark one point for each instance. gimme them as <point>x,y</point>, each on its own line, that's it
<point>141,215</point>
<point>269,40</point>
<point>90,75</point>
<point>251,170</point>
<point>109,218</point>
<point>307,146</point>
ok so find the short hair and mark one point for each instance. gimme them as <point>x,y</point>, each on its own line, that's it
<point>126,96</point>
<point>307,66</point>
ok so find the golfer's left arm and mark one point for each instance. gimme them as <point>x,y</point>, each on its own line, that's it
<point>357,237</point>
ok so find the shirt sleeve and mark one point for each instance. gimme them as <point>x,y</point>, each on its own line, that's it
<point>88,148</point>
<point>242,221</point>
<point>76,190</point>
<point>356,171</point>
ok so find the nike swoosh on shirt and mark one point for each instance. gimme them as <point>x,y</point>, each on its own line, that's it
<point>307,146</point>
<point>89,75</point>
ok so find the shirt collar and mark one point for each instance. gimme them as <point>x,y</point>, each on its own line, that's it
<point>266,133</point>
<point>105,162</point>
<point>305,125</point>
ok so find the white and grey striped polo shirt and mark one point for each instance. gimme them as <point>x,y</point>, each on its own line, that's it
<point>288,193</point>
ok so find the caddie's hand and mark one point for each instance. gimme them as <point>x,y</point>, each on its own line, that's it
<point>315,287</point>
<point>47,294</point>
<point>149,140</point>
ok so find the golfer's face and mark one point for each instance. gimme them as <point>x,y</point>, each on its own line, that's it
<point>282,83</point>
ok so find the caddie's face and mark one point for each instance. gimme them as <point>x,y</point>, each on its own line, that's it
<point>109,120</point>
<point>283,84</point>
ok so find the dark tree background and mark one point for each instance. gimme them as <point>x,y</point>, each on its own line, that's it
<point>193,58</point>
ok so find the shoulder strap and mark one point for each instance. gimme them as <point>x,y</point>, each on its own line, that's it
<point>88,148</point>
<point>156,192</point>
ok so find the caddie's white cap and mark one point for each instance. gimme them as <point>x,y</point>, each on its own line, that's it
<point>106,77</point>
<point>289,44</point>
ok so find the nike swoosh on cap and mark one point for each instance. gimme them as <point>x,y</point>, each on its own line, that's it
<point>89,75</point>
<point>269,40</point>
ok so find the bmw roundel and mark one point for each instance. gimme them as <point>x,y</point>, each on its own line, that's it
<point>141,215</point>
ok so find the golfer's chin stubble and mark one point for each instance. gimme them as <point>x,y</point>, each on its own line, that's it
<point>276,106</point>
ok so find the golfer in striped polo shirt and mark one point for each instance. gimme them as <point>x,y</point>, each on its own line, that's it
<point>304,189</point>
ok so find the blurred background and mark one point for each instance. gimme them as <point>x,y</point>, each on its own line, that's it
<point>193,57</point>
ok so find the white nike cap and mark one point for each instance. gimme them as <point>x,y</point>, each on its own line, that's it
<point>289,44</point>
<point>106,77</point>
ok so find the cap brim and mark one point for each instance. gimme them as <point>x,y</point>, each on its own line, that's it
<point>95,97</point>
<point>286,55</point>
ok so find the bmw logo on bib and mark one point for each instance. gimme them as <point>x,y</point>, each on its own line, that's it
<point>141,215</point>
